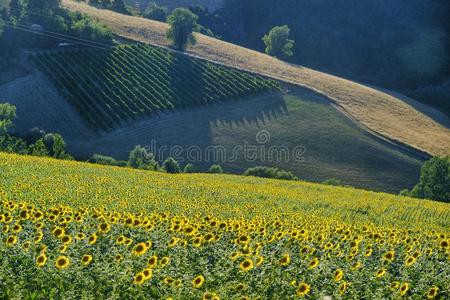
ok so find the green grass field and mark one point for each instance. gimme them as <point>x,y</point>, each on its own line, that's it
<point>335,147</point>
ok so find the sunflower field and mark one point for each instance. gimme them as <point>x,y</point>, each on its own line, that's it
<point>73,230</point>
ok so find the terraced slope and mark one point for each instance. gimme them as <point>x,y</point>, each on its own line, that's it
<point>127,82</point>
<point>377,111</point>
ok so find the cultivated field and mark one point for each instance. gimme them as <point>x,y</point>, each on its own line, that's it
<point>377,111</point>
<point>73,230</point>
<point>127,82</point>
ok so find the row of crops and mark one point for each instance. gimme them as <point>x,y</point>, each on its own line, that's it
<point>127,82</point>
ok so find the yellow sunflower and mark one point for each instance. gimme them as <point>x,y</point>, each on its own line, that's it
<point>198,281</point>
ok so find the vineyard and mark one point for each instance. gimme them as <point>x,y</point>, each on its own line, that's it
<point>72,230</point>
<point>109,87</point>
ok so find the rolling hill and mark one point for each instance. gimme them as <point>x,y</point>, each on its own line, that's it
<point>379,112</point>
<point>75,230</point>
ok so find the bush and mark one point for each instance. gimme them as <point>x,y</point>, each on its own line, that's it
<point>333,181</point>
<point>215,169</point>
<point>189,168</point>
<point>182,25</point>
<point>38,148</point>
<point>155,12</point>
<point>106,160</point>
<point>268,172</point>
<point>140,158</point>
<point>7,114</point>
<point>278,43</point>
<point>434,180</point>
<point>170,165</point>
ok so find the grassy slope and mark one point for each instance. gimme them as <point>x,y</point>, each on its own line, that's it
<point>335,147</point>
<point>65,182</point>
<point>379,112</point>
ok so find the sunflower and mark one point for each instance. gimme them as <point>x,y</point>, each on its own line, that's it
<point>147,273</point>
<point>246,265</point>
<point>80,236</point>
<point>285,260</point>
<point>120,240</point>
<point>410,261</point>
<point>152,261</point>
<point>198,281</point>
<point>432,293</point>
<point>380,273</point>
<point>104,228</point>
<point>240,287</point>
<point>395,285</point>
<point>313,264</point>
<point>41,260</point>
<point>235,255</point>
<point>343,287</point>
<point>62,262</point>
<point>173,242</point>
<point>338,274</point>
<point>164,261</point>
<point>58,232</point>
<point>26,245</point>
<point>389,256</point>
<point>86,259</point>
<point>17,228</point>
<point>303,289</point>
<point>118,257</point>
<point>259,260</point>
<point>92,239</point>
<point>404,288</point>
<point>11,240</point>
<point>140,249</point>
<point>169,280</point>
<point>139,278</point>
<point>67,239</point>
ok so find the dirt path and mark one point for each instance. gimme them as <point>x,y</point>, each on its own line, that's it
<point>380,112</point>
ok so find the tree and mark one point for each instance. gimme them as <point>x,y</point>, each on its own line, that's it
<point>182,25</point>
<point>7,114</point>
<point>15,9</point>
<point>140,158</point>
<point>39,148</point>
<point>170,165</point>
<point>215,169</point>
<point>119,7</point>
<point>267,172</point>
<point>434,182</point>
<point>156,12</point>
<point>189,168</point>
<point>58,147</point>
<point>278,43</point>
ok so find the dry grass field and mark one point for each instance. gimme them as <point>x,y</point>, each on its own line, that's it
<point>379,112</point>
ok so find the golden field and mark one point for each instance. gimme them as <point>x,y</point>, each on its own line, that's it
<point>76,230</point>
<point>379,112</point>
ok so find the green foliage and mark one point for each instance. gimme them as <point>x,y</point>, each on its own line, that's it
<point>106,160</point>
<point>333,181</point>
<point>7,114</point>
<point>12,144</point>
<point>156,12</point>
<point>170,165</point>
<point>434,180</point>
<point>268,172</point>
<point>87,28</point>
<point>215,169</point>
<point>38,148</point>
<point>278,43</point>
<point>140,158</point>
<point>142,80</point>
<point>182,25</point>
<point>119,6</point>
<point>189,168</point>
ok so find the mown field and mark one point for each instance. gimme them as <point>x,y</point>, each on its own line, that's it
<point>74,230</point>
<point>126,82</point>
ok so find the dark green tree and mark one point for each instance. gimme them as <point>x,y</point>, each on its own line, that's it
<point>278,43</point>
<point>182,25</point>
<point>434,182</point>
<point>155,12</point>
<point>58,147</point>
<point>189,168</point>
<point>170,165</point>
<point>119,7</point>
<point>215,169</point>
<point>140,158</point>
<point>38,148</point>
<point>7,114</point>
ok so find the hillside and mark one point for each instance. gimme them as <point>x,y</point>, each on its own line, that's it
<point>102,232</point>
<point>109,87</point>
<point>379,112</point>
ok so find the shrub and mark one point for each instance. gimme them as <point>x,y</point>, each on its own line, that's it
<point>268,172</point>
<point>7,114</point>
<point>170,165</point>
<point>434,180</point>
<point>215,169</point>
<point>106,160</point>
<point>189,168</point>
<point>140,158</point>
<point>278,43</point>
<point>333,181</point>
<point>155,12</point>
<point>38,148</point>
